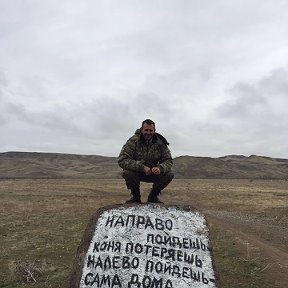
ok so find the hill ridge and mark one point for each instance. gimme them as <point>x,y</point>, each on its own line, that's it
<point>14,164</point>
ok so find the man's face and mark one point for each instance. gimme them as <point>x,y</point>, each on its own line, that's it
<point>148,131</point>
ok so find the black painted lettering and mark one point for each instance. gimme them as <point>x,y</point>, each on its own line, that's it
<point>185,271</point>
<point>125,262</point>
<point>149,266</point>
<point>134,281</point>
<point>138,248</point>
<point>167,240</point>
<point>110,246</point>
<point>99,263</point>
<point>87,279</point>
<point>169,224</point>
<point>171,254</point>
<point>168,284</point>
<point>146,282</point>
<point>135,262</point>
<point>176,242</point>
<point>159,224</point>
<point>147,248</point>
<point>116,282</point>
<point>204,279</point>
<point>167,268</point>
<point>150,238</point>
<point>179,255</point>
<point>185,243</point>
<point>203,246</point>
<point>188,258</point>
<point>212,280</point>
<point>194,244</point>
<point>105,280</point>
<point>119,221</point>
<point>107,246</point>
<point>132,221</point>
<point>149,223</point>
<point>176,271</point>
<point>163,252</point>
<point>117,247</point>
<point>107,263</point>
<point>157,283</point>
<point>195,276</point>
<point>129,247</point>
<point>96,247</point>
<point>155,251</point>
<point>96,280</point>
<point>109,221</point>
<point>198,262</point>
<point>91,261</point>
<point>102,281</point>
<point>158,239</point>
<point>115,262</point>
<point>140,221</point>
<point>159,267</point>
<point>103,246</point>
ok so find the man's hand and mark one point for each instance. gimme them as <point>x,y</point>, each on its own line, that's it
<point>156,170</point>
<point>147,170</point>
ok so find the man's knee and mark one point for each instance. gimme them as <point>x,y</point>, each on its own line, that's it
<point>128,174</point>
<point>169,176</point>
<point>131,179</point>
<point>166,179</point>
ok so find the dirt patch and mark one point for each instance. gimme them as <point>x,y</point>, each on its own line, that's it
<point>266,243</point>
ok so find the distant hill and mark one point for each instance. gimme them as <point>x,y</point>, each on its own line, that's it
<point>231,166</point>
<point>56,165</point>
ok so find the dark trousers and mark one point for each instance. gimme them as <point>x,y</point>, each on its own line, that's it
<point>133,179</point>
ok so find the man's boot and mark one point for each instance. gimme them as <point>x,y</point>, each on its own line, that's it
<point>136,198</point>
<point>153,197</point>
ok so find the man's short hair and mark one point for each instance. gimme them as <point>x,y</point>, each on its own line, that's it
<point>148,121</point>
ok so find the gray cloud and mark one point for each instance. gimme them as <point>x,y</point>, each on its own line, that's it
<point>80,76</point>
<point>265,98</point>
<point>255,114</point>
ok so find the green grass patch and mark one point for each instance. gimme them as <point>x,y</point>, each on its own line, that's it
<point>233,265</point>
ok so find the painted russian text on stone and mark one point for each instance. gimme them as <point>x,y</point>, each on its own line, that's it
<point>149,246</point>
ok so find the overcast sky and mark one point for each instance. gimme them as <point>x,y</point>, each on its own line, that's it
<point>80,76</point>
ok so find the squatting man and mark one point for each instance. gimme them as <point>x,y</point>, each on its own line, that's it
<point>146,157</point>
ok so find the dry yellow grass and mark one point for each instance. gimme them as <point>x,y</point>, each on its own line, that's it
<point>42,221</point>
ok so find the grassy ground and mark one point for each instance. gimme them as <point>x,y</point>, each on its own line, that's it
<point>235,268</point>
<point>42,222</point>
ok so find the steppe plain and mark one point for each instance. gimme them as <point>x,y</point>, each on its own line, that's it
<point>42,221</point>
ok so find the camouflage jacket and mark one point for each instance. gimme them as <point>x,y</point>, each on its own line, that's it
<point>136,153</point>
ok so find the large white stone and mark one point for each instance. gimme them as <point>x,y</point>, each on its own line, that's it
<point>149,246</point>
